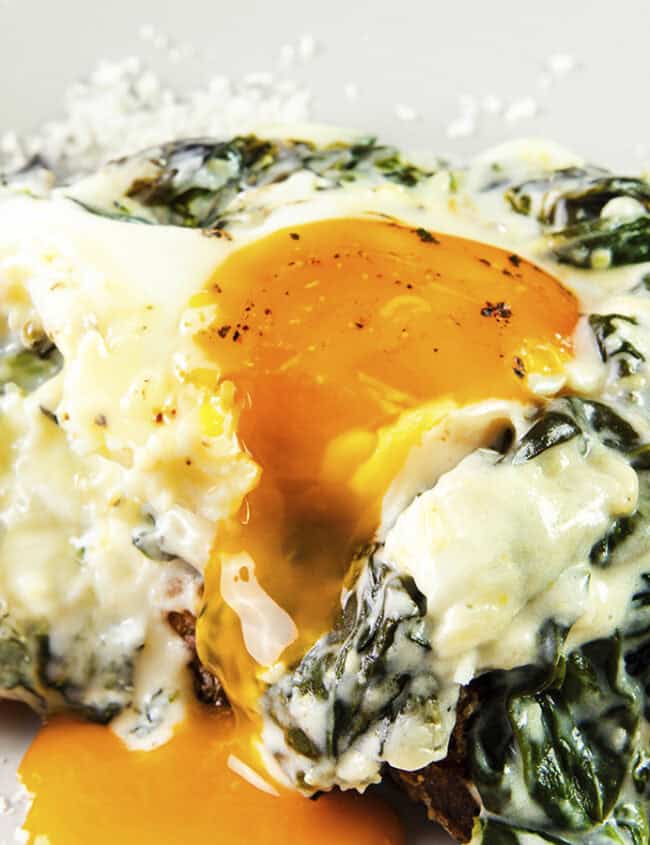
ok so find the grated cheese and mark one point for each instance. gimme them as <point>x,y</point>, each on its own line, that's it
<point>124,106</point>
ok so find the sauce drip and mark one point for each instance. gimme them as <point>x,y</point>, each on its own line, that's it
<point>346,339</point>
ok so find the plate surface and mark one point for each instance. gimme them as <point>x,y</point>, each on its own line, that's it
<point>420,70</point>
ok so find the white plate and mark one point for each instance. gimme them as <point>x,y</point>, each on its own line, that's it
<point>424,56</point>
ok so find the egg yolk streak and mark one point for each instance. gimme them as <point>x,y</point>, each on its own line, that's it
<point>344,340</point>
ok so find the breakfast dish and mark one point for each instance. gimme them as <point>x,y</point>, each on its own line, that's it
<point>322,465</point>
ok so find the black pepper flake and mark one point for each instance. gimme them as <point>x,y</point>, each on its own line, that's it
<point>294,236</point>
<point>101,421</point>
<point>49,414</point>
<point>515,260</point>
<point>519,368</point>
<point>236,335</point>
<point>217,287</point>
<point>336,255</point>
<point>499,310</point>
<point>435,349</point>
<point>158,418</point>
<point>426,237</point>
<point>485,261</point>
<point>267,311</point>
<point>223,331</point>
<point>359,324</point>
<point>506,272</point>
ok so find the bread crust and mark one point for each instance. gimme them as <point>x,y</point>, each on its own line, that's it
<point>444,787</point>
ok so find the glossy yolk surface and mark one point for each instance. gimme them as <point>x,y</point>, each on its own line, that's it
<point>345,339</point>
<point>90,790</point>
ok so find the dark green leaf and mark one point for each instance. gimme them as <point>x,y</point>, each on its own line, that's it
<point>563,740</point>
<point>573,195</point>
<point>148,541</point>
<point>586,202</point>
<point>624,242</point>
<point>116,211</point>
<point>300,742</point>
<point>611,428</point>
<point>619,531</point>
<point>196,181</point>
<point>551,430</point>
<point>29,368</point>
<point>604,327</point>
<point>367,696</point>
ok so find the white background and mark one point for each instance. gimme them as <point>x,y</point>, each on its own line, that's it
<point>424,55</point>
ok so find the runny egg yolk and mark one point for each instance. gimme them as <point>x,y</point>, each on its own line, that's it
<point>345,339</point>
<point>91,790</point>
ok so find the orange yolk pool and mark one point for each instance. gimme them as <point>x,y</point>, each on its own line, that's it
<point>90,790</point>
<point>343,340</point>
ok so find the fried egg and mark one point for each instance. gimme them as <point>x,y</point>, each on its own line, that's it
<point>266,419</point>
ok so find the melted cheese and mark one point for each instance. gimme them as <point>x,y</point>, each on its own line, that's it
<point>530,524</point>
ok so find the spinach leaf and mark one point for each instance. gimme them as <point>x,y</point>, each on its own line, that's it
<point>611,428</point>
<point>194,183</point>
<point>567,418</point>
<point>90,685</point>
<point>540,196</point>
<point>365,674</point>
<point>572,195</point>
<point>567,740</point>
<point>620,530</point>
<point>551,430</point>
<point>30,367</point>
<point>571,201</point>
<point>610,345</point>
<point>627,825</point>
<point>148,540</point>
<point>116,211</point>
<point>568,732</point>
<point>15,659</point>
<point>604,242</point>
<point>586,201</point>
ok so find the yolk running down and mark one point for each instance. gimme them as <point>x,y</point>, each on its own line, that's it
<point>345,339</point>
<point>90,790</point>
